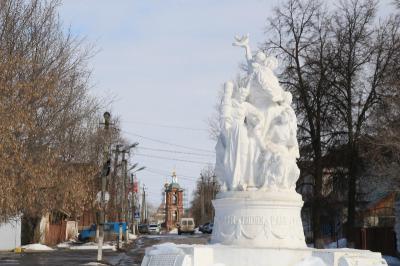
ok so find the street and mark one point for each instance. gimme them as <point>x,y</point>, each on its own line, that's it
<point>132,256</point>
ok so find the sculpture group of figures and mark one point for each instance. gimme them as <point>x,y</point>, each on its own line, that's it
<point>257,147</point>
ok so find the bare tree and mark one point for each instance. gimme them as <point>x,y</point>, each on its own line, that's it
<point>50,146</point>
<point>298,35</point>
<point>360,61</point>
<point>206,190</point>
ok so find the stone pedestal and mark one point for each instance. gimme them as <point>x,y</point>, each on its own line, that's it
<point>258,219</point>
<point>254,228</point>
<point>222,255</point>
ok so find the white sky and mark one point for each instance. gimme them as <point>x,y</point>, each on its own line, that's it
<point>163,62</point>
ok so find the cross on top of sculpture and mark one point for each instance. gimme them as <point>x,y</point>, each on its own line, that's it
<point>257,147</point>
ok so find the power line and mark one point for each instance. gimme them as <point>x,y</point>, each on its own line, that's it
<point>167,143</point>
<point>174,151</point>
<point>166,173</point>
<point>171,159</point>
<point>164,126</point>
<point>159,174</point>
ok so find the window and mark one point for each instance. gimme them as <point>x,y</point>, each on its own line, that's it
<point>174,199</point>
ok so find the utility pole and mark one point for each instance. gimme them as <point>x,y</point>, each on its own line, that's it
<point>115,182</point>
<point>104,173</point>
<point>124,193</point>
<point>202,207</point>
<point>144,206</point>
<point>133,203</point>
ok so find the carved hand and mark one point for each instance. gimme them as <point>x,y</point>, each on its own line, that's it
<point>241,41</point>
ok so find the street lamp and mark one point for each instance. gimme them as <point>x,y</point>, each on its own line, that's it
<point>140,169</point>
<point>133,166</point>
<point>107,117</point>
<point>130,147</point>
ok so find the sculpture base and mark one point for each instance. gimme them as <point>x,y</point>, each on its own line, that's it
<point>258,219</point>
<point>221,255</point>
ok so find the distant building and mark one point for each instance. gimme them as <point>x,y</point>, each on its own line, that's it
<point>173,203</point>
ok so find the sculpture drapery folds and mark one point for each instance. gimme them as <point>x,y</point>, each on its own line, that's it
<point>257,147</point>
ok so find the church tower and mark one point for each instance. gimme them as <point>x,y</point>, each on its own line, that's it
<point>173,203</point>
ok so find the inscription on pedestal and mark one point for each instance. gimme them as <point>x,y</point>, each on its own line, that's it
<point>278,220</point>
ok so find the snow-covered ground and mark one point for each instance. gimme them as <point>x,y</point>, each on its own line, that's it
<point>341,243</point>
<point>132,236</point>
<point>92,246</point>
<point>173,231</point>
<point>67,244</point>
<point>86,246</point>
<point>196,231</point>
<point>36,247</point>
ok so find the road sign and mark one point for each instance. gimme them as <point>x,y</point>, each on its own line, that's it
<point>106,197</point>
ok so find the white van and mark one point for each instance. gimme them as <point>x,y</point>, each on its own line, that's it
<point>186,226</point>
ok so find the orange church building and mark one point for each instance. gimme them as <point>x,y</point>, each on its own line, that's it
<point>173,203</point>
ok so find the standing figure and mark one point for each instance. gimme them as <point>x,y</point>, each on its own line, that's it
<point>234,163</point>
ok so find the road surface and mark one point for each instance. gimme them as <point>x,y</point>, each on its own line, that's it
<point>133,255</point>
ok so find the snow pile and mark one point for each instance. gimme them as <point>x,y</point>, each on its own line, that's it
<point>165,248</point>
<point>93,246</point>
<point>196,231</point>
<point>132,236</point>
<point>342,244</point>
<point>311,261</point>
<point>67,244</point>
<point>392,261</point>
<point>36,247</point>
<point>173,231</point>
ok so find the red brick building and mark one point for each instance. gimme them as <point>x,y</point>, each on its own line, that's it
<point>173,203</point>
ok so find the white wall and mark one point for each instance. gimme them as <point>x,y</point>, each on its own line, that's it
<point>10,234</point>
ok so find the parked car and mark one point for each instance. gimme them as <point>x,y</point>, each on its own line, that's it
<point>154,228</point>
<point>201,227</point>
<point>186,226</point>
<point>109,228</point>
<point>143,228</point>
<point>208,228</point>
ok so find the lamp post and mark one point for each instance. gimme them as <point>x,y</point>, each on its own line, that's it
<point>134,199</point>
<point>104,173</point>
<point>124,217</point>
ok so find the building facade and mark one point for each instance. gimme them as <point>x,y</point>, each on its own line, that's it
<point>173,203</point>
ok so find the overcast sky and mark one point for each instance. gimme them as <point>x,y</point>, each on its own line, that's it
<point>163,62</point>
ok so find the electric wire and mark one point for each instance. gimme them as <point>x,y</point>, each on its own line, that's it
<point>174,151</point>
<point>164,126</point>
<point>158,174</point>
<point>167,143</point>
<point>166,173</point>
<point>171,159</point>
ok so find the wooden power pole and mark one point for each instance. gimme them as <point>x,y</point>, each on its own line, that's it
<point>104,173</point>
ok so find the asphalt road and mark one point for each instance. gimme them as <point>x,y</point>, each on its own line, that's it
<point>133,255</point>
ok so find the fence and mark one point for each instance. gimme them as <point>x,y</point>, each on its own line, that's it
<point>379,239</point>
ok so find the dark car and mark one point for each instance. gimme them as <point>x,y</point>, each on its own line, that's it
<point>203,226</point>
<point>143,228</point>
<point>208,228</point>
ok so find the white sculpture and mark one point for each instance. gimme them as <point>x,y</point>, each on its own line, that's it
<point>257,217</point>
<point>257,147</point>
